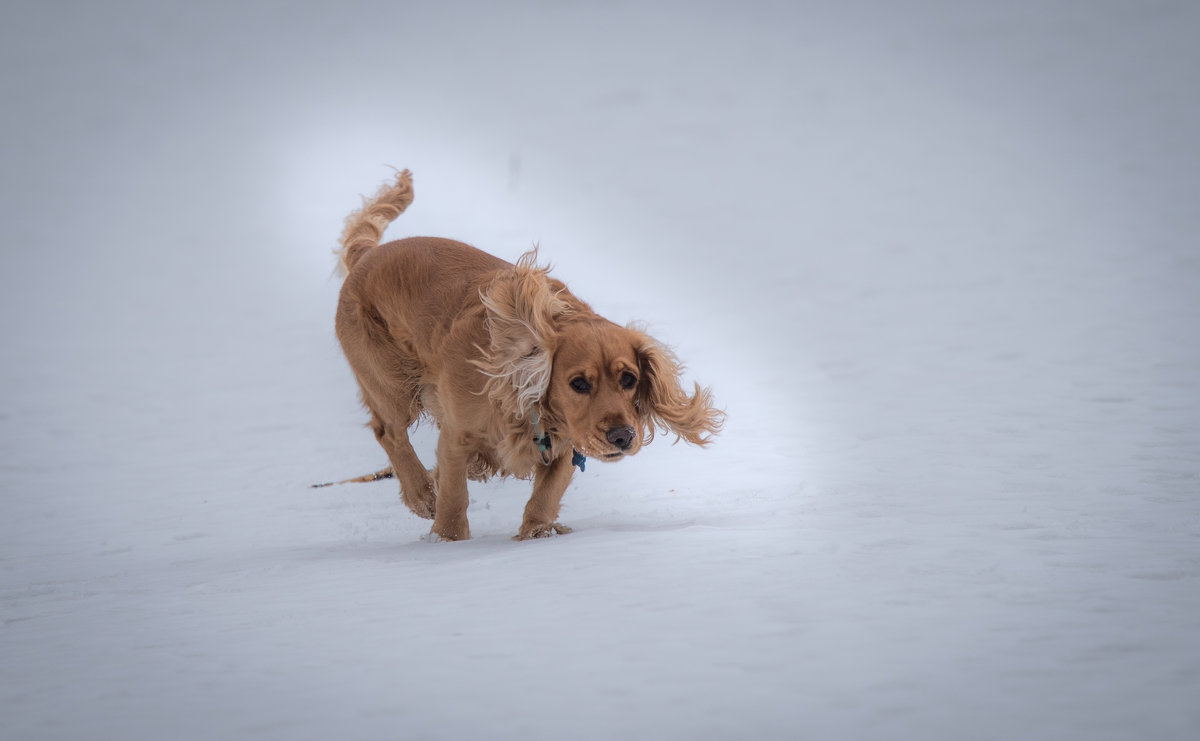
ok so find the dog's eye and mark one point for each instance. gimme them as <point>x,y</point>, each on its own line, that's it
<point>581,385</point>
<point>627,380</point>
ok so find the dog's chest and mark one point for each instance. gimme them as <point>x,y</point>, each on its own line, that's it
<point>491,452</point>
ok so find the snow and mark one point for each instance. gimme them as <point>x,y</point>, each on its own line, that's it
<point>937,261</point>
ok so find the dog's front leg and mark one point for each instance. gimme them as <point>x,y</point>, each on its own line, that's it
<point>450,514</point>
<point>541,513</point>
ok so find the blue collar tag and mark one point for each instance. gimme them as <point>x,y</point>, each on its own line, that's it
<point>542,439</point>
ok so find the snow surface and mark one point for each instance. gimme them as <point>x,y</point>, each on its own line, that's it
<point>939,261</point>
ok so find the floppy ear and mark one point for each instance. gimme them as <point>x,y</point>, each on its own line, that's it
<point>663,404</point>
<point>523,309</point>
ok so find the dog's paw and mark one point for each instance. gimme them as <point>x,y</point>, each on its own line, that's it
<point>424,503</point>
<point>424,508</point>
<point>531,530</point>
<point>433,537</point>
<point>455,530</point>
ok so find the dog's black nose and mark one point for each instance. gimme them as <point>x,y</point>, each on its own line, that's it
<point>622,437</point>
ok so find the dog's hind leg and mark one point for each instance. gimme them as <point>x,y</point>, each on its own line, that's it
<point>416,485</point>
<point>388,375</point>
<point>394,406</point>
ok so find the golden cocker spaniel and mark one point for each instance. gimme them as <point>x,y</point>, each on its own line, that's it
<point>520,376</point>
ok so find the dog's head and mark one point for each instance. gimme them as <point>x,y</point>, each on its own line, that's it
<point>603,387</point>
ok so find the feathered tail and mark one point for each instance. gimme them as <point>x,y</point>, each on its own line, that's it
<point>364,228</point>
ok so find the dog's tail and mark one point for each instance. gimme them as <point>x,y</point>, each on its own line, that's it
<point>364,228</point>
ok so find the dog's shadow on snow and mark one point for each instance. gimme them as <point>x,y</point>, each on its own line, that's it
<point>592,534</point>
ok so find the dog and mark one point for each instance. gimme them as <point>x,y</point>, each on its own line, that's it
<point>520,377</point>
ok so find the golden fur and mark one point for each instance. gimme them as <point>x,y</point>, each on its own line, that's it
<point>502,357</point>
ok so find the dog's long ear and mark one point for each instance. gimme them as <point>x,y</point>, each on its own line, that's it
<point>663,404</point>
<point>524,307</point>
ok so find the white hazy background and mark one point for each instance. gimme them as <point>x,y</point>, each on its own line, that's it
<point>940,262</point>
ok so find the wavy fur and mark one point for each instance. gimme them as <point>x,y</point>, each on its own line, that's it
<point>524,308</point>
<point>662,402</point>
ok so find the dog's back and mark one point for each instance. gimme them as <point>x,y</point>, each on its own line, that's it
<point>417,286</point>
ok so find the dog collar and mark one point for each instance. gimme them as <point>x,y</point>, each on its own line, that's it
<point>542,439</point>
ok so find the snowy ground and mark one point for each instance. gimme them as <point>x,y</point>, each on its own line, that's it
<point>939,261</point>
